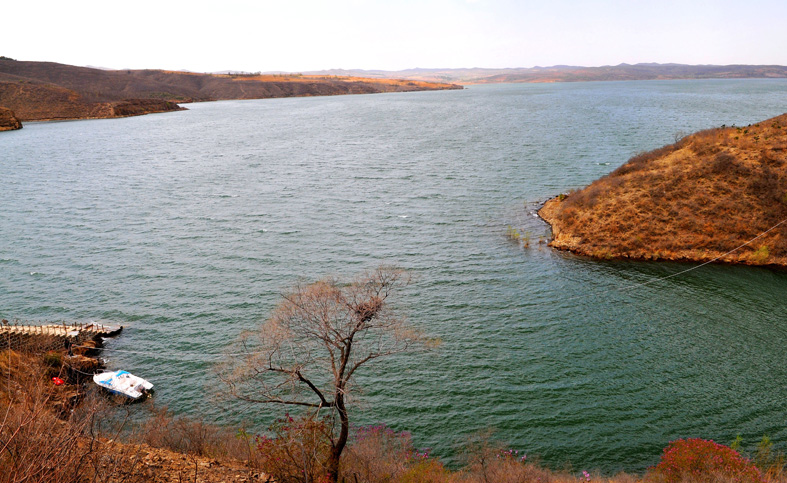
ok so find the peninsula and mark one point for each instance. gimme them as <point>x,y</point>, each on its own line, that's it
<point>38,91</point>
<point>716,195</point>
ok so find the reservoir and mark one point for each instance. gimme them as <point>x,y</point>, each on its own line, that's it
<point>186,227</point>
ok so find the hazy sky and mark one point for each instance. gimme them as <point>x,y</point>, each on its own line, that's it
<point>299,35</point>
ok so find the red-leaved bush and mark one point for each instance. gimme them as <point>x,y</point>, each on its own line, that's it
<point>698,459</point>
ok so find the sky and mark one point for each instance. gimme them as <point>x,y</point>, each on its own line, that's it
<point>307,35</point>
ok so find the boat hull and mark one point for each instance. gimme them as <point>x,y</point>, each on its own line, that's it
<point>123,383</point>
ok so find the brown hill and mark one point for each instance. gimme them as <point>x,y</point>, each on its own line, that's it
<point>47,90</point>
<point>720,193</point>
<point>41,102</point>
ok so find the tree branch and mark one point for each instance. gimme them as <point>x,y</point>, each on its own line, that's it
<point>323,401</point>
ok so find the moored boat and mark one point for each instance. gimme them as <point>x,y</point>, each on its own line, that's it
<point>123,383</point>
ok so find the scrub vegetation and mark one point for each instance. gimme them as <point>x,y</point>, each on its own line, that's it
<point>698,199</point>
<point>55,428</point>
<point>97,443</point>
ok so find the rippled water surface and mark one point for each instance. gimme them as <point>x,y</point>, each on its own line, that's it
<point>184,227</point>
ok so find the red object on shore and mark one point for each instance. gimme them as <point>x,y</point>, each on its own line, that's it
<point>58,381</point>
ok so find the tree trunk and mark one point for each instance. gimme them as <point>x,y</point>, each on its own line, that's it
<point>333,465</point>
<point>341,442</point>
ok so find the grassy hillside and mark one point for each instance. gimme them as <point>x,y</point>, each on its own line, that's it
<point>697,199</point>
<point>47,90</point>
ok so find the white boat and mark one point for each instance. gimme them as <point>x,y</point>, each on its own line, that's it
<point>124,383</point>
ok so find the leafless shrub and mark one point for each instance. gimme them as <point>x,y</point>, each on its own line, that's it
<point>36,445</point>
<point>642,160</point>
<point>378,454</point>
<point>769,158</point>
<point>297,450</point>
<point>191,435</point>
<point>487,461</point>
<point>725,163</point>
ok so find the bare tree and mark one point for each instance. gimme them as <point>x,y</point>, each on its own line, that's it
<point>315,341</point>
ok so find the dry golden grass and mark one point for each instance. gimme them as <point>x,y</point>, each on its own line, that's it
<point>323,78</point>
<point>697,200</point>
<point>300,78</point>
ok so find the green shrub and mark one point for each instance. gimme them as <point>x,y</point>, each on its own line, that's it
<point>761,254</point>
<point>53,359</point>
<point>512,233</point>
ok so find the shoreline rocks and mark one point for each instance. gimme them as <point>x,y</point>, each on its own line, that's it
<point>139,107</point>
<point>8,120</point>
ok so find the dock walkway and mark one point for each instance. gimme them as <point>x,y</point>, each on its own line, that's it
<point>52,336</point>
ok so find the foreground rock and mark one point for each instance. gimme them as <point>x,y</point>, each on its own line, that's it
<point>8,121</point>
<point>719,195</point>
<point>158,465</point>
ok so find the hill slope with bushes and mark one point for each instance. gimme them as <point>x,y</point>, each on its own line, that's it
<point>708,196</point>
<point>47,90</point>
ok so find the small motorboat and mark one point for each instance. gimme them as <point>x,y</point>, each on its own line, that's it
<point>123,383</point>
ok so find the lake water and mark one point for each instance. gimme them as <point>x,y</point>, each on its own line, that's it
<point>185,227</point>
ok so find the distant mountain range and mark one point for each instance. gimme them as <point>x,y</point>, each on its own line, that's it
<point>568,73</point>
<point>48,90</point>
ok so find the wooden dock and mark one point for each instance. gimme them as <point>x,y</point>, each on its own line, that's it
<point>52,336</point>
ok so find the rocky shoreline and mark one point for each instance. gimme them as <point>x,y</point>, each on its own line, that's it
<point>8,120</point>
